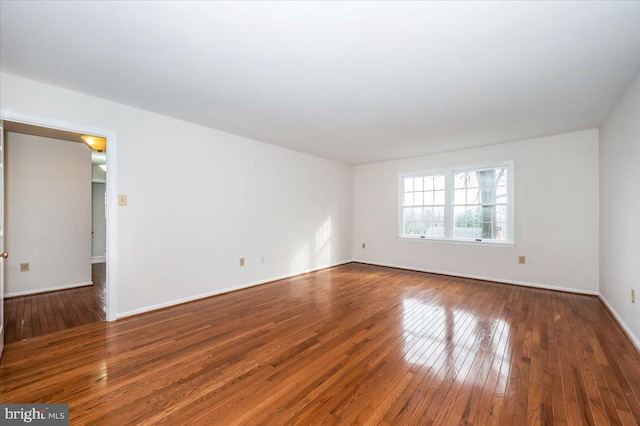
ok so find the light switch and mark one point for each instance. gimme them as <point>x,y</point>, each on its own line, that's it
<point>122,200</point>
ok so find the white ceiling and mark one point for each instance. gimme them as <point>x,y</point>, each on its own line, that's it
<point>356,82</point>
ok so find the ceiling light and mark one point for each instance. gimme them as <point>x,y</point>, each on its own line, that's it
<point>95,142</point>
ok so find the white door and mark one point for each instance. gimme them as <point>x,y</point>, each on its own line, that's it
<point>3,254</point>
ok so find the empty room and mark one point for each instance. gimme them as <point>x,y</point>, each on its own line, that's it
<point>320,213</point>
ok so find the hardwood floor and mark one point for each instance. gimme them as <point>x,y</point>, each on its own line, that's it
<point>43,313</point>
<point>354,344</point>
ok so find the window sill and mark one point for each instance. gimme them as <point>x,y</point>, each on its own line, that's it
<point>461,242</point>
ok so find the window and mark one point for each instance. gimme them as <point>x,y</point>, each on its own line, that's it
<point>471,204</point>
<point>423,209</point>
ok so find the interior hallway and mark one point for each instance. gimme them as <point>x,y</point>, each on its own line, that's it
<point>43,313</point>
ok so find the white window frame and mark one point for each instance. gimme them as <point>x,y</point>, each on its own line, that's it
<point>448,208</point>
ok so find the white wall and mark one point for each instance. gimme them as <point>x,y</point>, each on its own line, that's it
<point>214,198</point>
<point>98,222</point>
<point>48,213</point>
<point>556,214</point>
<point>620,208</point>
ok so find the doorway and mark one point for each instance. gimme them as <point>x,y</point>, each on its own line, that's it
<point>57,308</point>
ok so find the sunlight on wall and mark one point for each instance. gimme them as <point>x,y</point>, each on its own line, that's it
<point>300,260</point>
<point>316,252</point>
<point>323,244</point>
<point>437,337</point>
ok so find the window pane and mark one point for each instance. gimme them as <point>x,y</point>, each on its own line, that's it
<point>459,216</point>
<point>428,183</point>
<point>428,198</point>
<point>501,214</point>
<point>429,230</point>
<point>408,199</point>
<point>436,230</point>
<point>459,180</point>
<point>418,198</point>
<point>471,233</point>
<point>472,180</point>
<point>466,222</point>
<point>473,196</point>
<point>459,196</point>
<point>438,214</point>
<point>408,228</point>
<point>418,184</point>
<point>487,214</point>
<point>417,214</point>
<point>406,214</point>
<point>501,176</point>
<point>486,179</point>
<point>438,197</point>
<point>427,212</point>
<point>408,184</point>
<point>438,182</point>
<point>488,221</point>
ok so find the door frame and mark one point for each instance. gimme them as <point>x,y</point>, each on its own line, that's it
<point>111,188</point>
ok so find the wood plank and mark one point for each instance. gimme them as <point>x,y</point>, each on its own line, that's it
<point>43,313</point>
<point>354,344</point>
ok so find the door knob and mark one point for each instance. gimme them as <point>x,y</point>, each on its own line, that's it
<point>4,255</point>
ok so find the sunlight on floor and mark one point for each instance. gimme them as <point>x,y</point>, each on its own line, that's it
<point>436,336</point>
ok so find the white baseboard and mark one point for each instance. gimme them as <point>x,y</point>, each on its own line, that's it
<point>622,324</point>
<point>98,259</point>
<point>478,277</point>
<point>222,291</point>
<point>48,289</point>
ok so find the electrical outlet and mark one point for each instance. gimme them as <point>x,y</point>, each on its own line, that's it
<point>24,267</point>
<point>633,295</point>
<point>122,200</point>
<point>364,246</point>
<point>242,261</point>
<point>522,260</point>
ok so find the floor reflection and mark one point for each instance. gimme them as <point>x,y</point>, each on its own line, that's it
<point>439,337</point>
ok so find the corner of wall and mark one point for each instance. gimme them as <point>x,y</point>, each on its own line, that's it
<point>618,174</point>
<point>634,340</point>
